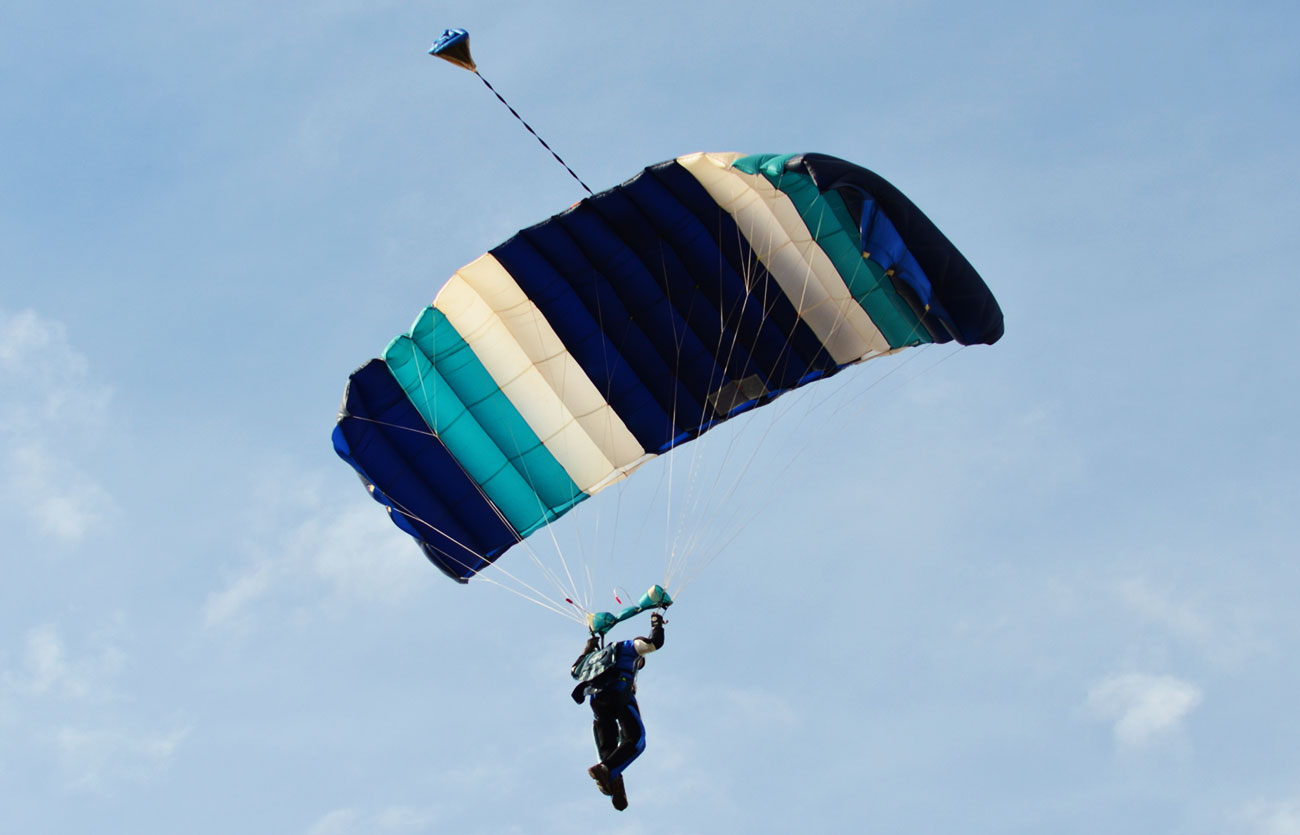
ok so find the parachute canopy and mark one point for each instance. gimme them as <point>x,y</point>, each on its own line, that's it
<point>563,359</point>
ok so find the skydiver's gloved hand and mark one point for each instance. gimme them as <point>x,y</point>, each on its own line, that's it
<point>592,643</point>
<point>657,630</point>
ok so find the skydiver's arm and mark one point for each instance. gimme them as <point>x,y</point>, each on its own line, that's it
<point>645,646</point>
<point>592,643</point>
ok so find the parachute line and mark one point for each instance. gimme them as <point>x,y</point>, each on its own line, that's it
<point>546,571</point>
<point>430,433</point>
<point>545,601</point>
<point>515,113</point>
<point>704,510</point>
<point>682,551</point>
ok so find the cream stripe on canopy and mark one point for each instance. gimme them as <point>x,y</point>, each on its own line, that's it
<point>525,357</point>
<point>781,241</point>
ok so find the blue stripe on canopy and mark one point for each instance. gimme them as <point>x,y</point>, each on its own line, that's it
<point>383,437</point>
<point>657,295</point>
<point>962,307</point>
<point>861,253</point>
<point>725,273</point>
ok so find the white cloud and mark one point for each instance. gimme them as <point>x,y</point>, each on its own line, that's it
<point>51,402</point>
<point>225,606</point>
<point>59,498</point>
<point>1143,707</point>
<point>47,671</point>
<point>1272,817</point>
<point>99,760</point>
<point>404,819</point>
<point>46,663</point>
<point>351,551</point>
<point>337,822</point>
<point>51,679</point>
<point>346,554</point>
<point>43,378</point>
<point>393,819</point>
<point>1178,617</point>
<point>1223,633</point>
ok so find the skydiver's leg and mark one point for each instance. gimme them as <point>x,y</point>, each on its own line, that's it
<point>631,740</point>
<point>604,726</point>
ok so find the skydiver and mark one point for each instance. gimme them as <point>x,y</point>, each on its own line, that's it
<point>608,676</point>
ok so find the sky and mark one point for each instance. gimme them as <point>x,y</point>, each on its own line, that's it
<point>1043,586</point>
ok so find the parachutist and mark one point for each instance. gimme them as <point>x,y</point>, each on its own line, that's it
<point>608,676</point>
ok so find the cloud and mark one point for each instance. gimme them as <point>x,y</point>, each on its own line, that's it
<point>1221,632</point>
<point>225,606</point>
<point>393,819</point>
<point>59,498</point>
<point>337,822</point>
<point>43,378</point>
<point>335,555</point>
<point>47,671</point>
<point>1144,708</point>
<point>1152,605</point>
<point>56,691</point>
<point>100,760</point>
<point>350,551</point>
<point>404,819</point>
<point>46,663</point>
<point>51,403</point>
<point>1272,817</point>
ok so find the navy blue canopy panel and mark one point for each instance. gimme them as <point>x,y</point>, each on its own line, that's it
<point>660,299</point>
<point>560,361</point>
<point>410,471</point>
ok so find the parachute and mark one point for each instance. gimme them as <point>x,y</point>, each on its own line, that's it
<point>561,361</point>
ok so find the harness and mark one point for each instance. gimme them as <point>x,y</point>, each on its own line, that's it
<point>605,670</point>
<point>595,664</point>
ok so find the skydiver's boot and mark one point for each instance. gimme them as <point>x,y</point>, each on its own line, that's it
<point>600,773</point>
<point>619,794</point>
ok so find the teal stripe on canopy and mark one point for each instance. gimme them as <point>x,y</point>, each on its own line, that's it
<point>833,228</point>
<point>478,424</point>
<point>456,362</point>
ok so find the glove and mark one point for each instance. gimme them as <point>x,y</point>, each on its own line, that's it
<point>656,621</point>
<point>592,643</point>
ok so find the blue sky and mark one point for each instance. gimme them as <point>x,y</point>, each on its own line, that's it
<point>1046,586</point>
